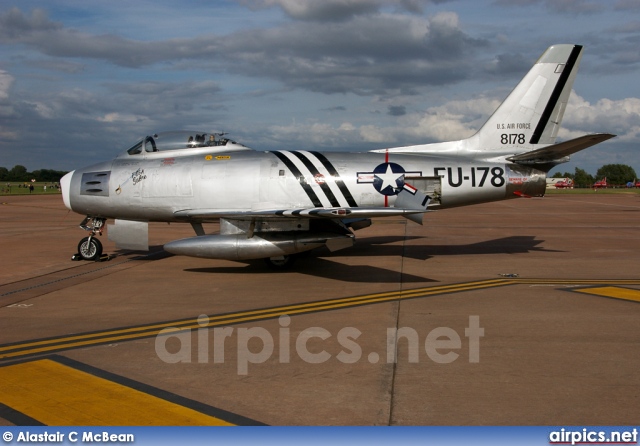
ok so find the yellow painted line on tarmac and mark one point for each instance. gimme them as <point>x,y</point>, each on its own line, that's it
<point>58,395</point>
<point>578,282</point>
<point>144,331</point>
<point>613,292</point>
<point>50,345</point>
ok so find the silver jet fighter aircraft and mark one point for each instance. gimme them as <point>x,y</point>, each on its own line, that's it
<point>276,204</point>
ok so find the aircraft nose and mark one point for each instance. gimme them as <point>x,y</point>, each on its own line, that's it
<point>65,185</point>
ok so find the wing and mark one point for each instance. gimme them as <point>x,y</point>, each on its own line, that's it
<point>411,204</point>
<point>336,213</point>
<point>276,233</point>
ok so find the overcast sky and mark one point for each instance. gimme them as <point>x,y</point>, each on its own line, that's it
<point>81,80</point>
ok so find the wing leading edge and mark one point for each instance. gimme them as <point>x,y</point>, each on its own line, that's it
<point>339,213</point>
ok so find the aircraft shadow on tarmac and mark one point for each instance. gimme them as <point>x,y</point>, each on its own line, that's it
<point>318,263</point>
<point>313,265</point>
<point>520,244</point>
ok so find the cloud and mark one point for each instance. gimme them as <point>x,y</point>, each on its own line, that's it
<point>627,5</point>
<point>396,110</point>
<point>508,64</point>
<point>326,10</point>
<point>37,31</point>
<point>561,6</point>
<point>120,117</point>
<point>574,6</point>
<point>57,65</point>
<point>337,10</point>
<point>452,120</point>
<point>7,110</point>
<point>78,126</point>
<point>373,55</point>
<point>6,80</point>
<point>14,25</point>
<point>369,56</point>
<point>621,117</point>
<point>313,134</point>
<point>628,27</point>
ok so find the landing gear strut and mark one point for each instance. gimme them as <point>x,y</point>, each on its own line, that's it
<point>280,263</point>
<point>90,247</point>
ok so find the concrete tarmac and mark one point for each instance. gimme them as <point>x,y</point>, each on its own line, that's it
<point>522,312</point>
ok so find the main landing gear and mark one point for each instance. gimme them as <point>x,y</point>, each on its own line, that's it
<point>90,248</point>
<point>280,263</point>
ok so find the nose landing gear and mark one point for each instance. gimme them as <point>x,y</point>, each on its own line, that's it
<point>90,248</point>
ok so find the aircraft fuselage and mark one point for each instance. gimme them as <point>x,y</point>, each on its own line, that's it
<point>154,186</point>
<point>276,204</point>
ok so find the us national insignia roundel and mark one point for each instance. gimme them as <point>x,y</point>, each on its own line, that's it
<point>387,178</point>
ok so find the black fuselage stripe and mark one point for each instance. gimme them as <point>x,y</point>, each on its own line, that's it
<point>296,173</point>
<point>314,171</point>
<point>339,182</point>
<point>555,95</point>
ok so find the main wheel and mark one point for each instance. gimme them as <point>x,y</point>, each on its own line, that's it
<point>280,263</point>
<point>90,248</point>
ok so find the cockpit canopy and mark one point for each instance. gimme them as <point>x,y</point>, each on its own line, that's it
<point>160,142</point>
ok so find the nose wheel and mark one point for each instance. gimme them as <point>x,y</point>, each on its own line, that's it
<point>90,248</point>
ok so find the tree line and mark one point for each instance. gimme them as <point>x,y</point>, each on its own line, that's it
<point>20,174</point>
<point>616,175</point>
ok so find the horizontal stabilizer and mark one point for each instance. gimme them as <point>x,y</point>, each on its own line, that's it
<point>556,152</point>
<point>412,199</point>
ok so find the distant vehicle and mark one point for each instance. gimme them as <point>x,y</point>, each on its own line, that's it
<point>566,183</point>
<point>602,184</point>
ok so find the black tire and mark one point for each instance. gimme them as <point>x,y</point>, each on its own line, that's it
<point>280,264</point>
<point>90,248</point>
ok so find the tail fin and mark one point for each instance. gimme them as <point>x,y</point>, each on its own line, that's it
<point>532,113</point>
<point>528,119</point>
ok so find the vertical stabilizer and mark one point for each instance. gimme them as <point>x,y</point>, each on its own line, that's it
<point>528,119</point>
<point>532,113</point>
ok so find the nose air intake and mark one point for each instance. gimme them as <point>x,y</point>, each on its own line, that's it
<point>65,185</point>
